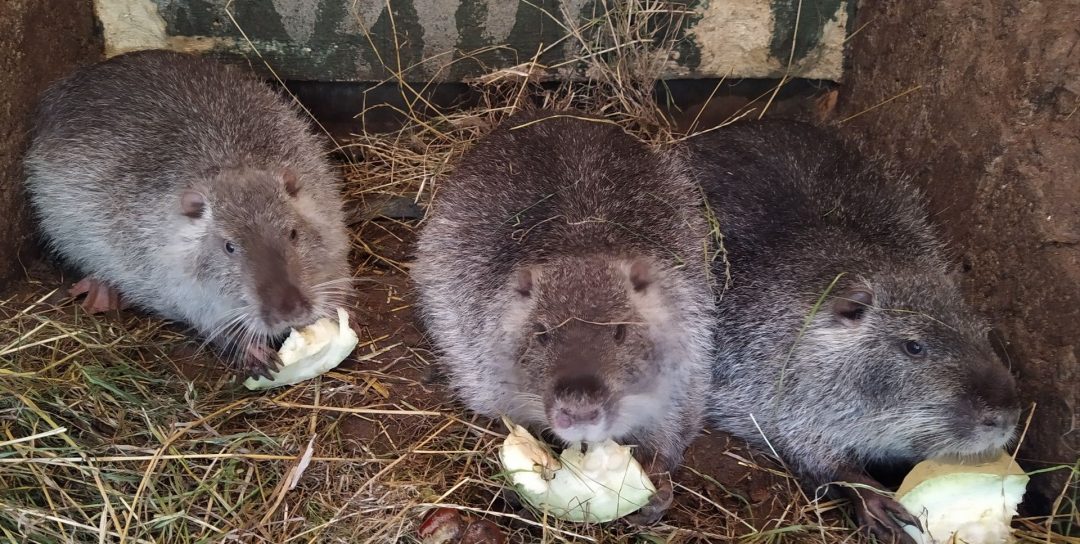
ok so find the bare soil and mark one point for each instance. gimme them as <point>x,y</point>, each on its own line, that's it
<point>990,128</point>
<point>40,40</point>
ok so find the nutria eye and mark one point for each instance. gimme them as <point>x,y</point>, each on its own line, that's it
<point>229,247</point>
<point>914,348</point>
<point>292,234</point>
<point>620,333</point>
<point>542,335</point>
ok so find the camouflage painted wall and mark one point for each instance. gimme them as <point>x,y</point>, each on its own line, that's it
<point>368,40</point>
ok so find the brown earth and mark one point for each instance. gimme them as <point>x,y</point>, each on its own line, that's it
<point>992,132</point>
<point>40,40</point>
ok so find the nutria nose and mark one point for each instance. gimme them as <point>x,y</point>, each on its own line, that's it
<point>994,385</point>
<point>287,304</point>
<point>578,401</point>
<point>569,417</point>
<point>1001,419</point>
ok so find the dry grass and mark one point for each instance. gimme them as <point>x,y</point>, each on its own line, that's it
<point>102,440</point>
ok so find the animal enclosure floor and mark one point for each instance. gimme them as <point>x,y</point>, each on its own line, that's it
<point>114,425</point>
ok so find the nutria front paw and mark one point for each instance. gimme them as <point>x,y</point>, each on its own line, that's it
<point>259,361</point>
<point>881,517</point>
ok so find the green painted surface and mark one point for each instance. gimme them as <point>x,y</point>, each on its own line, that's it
<point>688,51</point>
<point>398,41</point>
<point>369,40</point>
<point>477,52</point>
<point>802,21</point>
<point>470,16</point>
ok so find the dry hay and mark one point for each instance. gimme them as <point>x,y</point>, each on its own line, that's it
<point>102,440</point>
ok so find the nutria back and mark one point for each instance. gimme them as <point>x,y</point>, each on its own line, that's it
<point>563,279</point>
<point>192,188</point>
<point>844,339</point>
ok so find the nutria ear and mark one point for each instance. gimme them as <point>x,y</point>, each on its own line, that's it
<point>292,182</point>
<point>524,282</point>
<point>851,306</point>
<point>192,203</point>
<point>641,274</point>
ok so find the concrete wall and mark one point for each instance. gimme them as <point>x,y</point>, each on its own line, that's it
<point>40,40</point>
<point>993,134</point>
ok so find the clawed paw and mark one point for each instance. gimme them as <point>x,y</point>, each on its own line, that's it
<point>260,361</point>
<point>882,518</point>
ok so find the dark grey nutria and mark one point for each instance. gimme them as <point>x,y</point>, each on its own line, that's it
<point>892,367</point>
<point>194,191</point>
<point>563,278</point>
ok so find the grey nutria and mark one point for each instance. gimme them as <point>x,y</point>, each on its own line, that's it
<point>563,278</point>
<point>844,340</point>
<point>192,190</point>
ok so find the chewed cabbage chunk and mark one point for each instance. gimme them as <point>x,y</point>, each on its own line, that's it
<point>596,485</point>
<point>311,351</point>
<point>963,503</point>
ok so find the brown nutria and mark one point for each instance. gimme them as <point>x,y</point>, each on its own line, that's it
<point>194,191</point>
<point>563,279</point>
<point>844,340</point>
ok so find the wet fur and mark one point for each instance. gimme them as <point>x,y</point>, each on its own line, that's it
<point>578,200</point>
<point>116,144</point>
<point>799,208</point>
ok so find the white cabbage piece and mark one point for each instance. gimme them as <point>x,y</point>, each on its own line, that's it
<point>598,485</point>
<point>311,351</point>
<point>963,503</point>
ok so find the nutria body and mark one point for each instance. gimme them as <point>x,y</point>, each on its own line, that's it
<point>563,279</point>
<point>892,367</point>
<point>194,191</point>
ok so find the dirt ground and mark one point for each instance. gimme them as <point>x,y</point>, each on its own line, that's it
<point>990,128</point>
<point>40,40</point>
<point>722,490</point>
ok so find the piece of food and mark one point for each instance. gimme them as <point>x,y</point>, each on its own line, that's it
<point>963,503</point>
<point>442,526</point>
<point>311,351</point>
<point>602,484</point>
<point>482,531</point>
<point>450,526</point>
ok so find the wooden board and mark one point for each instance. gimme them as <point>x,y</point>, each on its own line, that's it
<point>451,40</point>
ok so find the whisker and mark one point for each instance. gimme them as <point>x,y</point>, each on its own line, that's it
<point>223,330</point>
<point>227,322</point>
<point>338,281</point>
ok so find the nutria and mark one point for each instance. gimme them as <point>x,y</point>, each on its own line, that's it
<point>193,191</point>
<point>563,278</point>
<point>844,340</point>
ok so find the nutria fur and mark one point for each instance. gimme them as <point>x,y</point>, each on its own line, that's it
<point>196,192</point>
<point>563,279</point>
<point>892,367</point>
